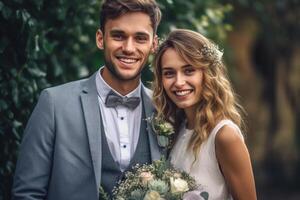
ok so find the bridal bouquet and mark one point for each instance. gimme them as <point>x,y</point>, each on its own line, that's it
<point>157,181</point>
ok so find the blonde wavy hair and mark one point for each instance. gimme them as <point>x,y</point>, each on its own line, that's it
<point>217,100</point>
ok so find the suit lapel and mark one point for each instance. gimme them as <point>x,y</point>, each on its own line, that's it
<point>149,110</point>
<point>91,110</point>
<point>93,123</point>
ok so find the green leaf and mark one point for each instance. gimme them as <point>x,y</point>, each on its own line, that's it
<point>23,14</point>
<point>10,115</point>
<point>16,125</point>
<point>102,194</point>
<point>9,166</point>
<point>15,95</point>
<point>48,47</point>
<point>61,13</point>
<point>36,72</point>
<point>3,105</point>
<point>6,12</point>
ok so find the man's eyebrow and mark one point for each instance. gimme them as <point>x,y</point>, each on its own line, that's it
<point>142,34</point>
<point>116,32</point>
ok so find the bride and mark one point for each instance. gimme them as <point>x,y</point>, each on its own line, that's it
<point>192,91</point>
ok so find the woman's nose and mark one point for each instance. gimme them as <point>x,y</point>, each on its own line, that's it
<point>180,80</point>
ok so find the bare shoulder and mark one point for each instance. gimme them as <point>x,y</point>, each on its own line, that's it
<point>228,135</point>
<point>231,150</point>
<point>235,164</point>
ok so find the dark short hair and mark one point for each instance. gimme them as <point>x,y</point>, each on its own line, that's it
<point>112,9</point>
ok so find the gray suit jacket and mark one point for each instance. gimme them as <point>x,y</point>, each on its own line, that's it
<point>60,155</point>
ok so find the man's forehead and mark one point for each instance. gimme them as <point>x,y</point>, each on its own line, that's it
<point>130,23</point>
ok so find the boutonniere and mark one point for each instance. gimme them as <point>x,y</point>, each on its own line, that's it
<point>163,130</point>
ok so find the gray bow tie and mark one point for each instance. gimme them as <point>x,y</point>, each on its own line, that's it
<point>113,100</point>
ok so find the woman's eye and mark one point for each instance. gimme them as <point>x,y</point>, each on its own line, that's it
<point>168,74</point>
<point>189,71</point>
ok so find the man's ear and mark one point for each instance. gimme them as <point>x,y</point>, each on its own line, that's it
<point>99,39</point>
<point>154,44</point>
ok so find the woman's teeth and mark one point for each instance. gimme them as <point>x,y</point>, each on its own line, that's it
<point>183,92</point>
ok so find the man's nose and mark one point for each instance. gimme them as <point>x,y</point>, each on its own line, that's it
<point>129,46</point>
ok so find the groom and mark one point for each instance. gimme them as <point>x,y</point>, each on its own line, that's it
<point>86,133</point>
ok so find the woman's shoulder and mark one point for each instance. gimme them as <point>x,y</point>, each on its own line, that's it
<point>227,132</point>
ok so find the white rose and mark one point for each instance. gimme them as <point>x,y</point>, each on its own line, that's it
<point>152,195</point>
<point>146,177</point>
<point>178,185</point>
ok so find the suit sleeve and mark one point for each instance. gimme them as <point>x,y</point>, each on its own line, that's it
<point>35,155</point>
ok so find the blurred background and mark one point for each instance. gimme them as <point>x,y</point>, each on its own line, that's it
<point>46,43</point>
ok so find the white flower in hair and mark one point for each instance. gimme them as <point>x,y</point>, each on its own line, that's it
<point>211,53</point>
<point>219,53</point>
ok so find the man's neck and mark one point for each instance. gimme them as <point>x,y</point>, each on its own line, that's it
<point>123,87</point>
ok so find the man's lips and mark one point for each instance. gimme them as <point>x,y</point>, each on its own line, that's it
<point>127,60</point>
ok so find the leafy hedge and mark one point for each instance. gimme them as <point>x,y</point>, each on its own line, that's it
<point>45,43</point>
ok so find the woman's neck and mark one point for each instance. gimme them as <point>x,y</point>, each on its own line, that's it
<point>190,116</point>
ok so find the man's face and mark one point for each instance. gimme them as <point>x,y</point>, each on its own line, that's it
<point>127,42</point>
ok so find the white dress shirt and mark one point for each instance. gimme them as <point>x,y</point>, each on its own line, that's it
<point>121,125</point>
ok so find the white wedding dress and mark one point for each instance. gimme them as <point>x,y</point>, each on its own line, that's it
<point>205,169</point>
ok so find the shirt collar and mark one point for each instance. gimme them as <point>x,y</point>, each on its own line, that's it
<point>103,88</point>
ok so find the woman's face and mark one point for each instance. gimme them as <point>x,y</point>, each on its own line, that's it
<point>181,81</point>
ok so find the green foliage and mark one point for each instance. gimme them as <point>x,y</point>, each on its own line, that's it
<point>102,194</point>
<point>279,19</point>
<point>205,16</point>
<point>45,43</point>
<point>42,43</point>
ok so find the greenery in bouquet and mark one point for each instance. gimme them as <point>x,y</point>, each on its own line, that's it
<point>163,130</point>
<point>156,181</point>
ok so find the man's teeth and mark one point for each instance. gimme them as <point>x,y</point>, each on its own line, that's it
<point>128,60</point>
<point>182,92</point>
